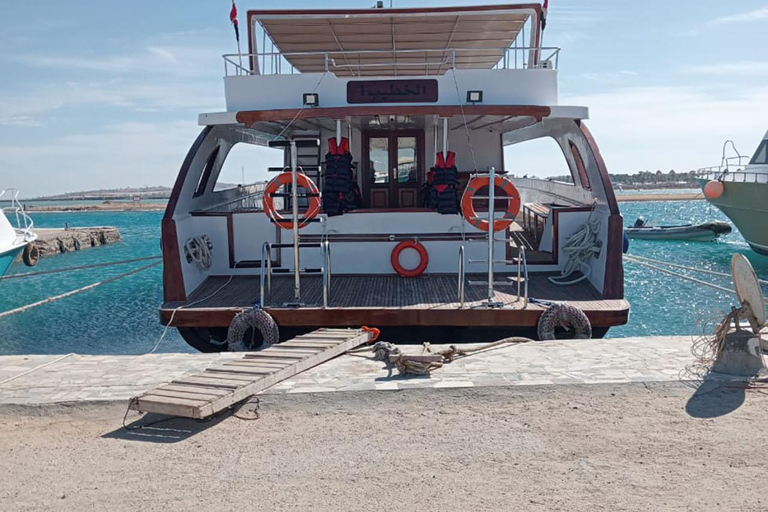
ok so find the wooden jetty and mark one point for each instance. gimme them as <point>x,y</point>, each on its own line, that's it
<point>204,394</point>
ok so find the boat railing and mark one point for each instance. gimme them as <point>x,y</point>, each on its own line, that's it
<point>731,175</point>
<point>24,223</point>
<point>416,62</point>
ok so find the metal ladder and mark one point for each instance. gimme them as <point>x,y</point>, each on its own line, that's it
<point>266,251</point>
<point>521,261</point>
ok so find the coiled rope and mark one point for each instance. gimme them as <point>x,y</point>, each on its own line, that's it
<point>580,247</point>
<point>199,251</point>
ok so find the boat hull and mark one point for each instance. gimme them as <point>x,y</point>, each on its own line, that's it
<point>746,206</point>
<point>7,257</point>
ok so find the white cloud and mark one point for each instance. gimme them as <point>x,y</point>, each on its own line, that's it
<point>742,68</point>
<point>680,128</point>
<point>125,154</point>
<point>744,17</point>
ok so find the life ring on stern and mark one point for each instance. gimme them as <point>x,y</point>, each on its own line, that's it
<point>468,206</point>
<point>285,179</point>
<point>423,258</point>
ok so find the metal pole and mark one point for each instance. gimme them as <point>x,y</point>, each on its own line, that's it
<point>445,137</point>
<point>491,217</point>
<point>295,211</point>
<point>338,132</point>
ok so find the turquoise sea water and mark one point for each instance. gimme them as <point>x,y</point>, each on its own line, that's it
<point>121,317</point>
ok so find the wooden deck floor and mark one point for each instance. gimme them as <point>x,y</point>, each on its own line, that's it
<point>388,300</point>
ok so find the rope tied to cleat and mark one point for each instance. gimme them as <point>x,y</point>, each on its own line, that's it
<point>424,364</point>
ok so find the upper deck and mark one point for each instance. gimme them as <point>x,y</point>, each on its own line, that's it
<point>417,57</point>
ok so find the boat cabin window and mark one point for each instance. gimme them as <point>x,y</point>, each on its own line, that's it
<point>202,185</point>
<point>761,155</point>
<point>247,164</point>
<point>538,158</point>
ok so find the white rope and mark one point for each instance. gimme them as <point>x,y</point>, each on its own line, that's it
<point>580,247</point>
<point>681,276</point>
<point>82,267</point>
<point>464,120</point>
<point>683,267</point>
<point>36,368</point>
<point>317,86</point>
<point>74,292</point>
<point>199,250</point>
<point>170,321</point>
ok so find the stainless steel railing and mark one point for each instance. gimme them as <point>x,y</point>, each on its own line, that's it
<point>416,62</point>
<point>24,223</point>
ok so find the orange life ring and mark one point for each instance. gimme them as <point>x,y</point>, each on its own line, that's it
<point>423,254</point>
<point>468,207</point>
<point>285,179</point>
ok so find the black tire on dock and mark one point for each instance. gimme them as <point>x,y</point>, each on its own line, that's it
<point>201,339</point>
<point>31,255</point>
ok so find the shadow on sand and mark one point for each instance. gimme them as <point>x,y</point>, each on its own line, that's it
<point>157,428</point>
<point>716,396</point>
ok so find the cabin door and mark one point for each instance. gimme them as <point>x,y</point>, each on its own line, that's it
<point>393,166</point>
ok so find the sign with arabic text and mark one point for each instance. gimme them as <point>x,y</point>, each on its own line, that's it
<point>392,91</point>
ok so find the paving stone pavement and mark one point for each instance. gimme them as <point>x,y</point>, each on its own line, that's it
<point>80,378</point>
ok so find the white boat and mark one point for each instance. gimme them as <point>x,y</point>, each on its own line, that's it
<point>370,97</point>
<point>16,233</point>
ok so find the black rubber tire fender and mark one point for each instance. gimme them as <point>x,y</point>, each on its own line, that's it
<point>257,319</point>
<point>31,254</point>
<point>564,315</point>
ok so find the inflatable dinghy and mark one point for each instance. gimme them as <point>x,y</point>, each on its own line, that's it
<point>705,232</point>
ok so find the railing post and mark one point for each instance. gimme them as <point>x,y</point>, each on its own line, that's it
<point>326,62</point>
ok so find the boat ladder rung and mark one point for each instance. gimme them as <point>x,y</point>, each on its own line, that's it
<point>485,262</point>
<point>495,283</point>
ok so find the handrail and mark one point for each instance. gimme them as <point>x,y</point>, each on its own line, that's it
<point>725,174</point>
<point>462,275</point>
<point>435,60</point>
<point>17,210</point>
<point>522,264</point>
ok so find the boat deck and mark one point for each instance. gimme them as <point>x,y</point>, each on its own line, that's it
<point>388,301</point>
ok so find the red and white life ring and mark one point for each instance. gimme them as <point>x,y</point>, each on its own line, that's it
<point>423,261</point>
<point>303,181</point>
<point>468,206</point>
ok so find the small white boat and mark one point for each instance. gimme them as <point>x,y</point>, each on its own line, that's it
<point>705,232</point>
<point>15,238</point>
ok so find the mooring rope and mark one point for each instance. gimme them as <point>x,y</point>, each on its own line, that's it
<point>409,364</point>
<point>81,267</point>
<point>22,374</point>
<point>683,267</point>
<point>75,292</point>
<point>678,275</point>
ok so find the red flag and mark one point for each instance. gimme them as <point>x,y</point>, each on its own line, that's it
<point>233,19</point>
<point>544,9</point>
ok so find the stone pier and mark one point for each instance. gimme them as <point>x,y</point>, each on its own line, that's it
<point>58,241</point>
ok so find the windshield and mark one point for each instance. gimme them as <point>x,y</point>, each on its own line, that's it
<point>761,155</point>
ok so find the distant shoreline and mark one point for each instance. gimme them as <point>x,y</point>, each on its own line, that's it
<point>106,207</point>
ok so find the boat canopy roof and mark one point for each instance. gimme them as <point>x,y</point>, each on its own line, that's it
<point>390,42</point>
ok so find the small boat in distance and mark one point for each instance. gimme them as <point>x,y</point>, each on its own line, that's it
<point>18,238</point>
<point>705,232</point>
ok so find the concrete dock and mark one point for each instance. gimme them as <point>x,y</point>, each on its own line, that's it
<point>33,380</point>
<point>59,241</point>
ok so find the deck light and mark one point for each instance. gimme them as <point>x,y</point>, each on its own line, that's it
<point>474,96</point>
<point>311,99</point>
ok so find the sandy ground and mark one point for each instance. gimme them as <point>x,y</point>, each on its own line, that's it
<point>576,448</point>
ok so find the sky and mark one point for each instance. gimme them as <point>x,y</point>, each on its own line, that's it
<point>105,94</point>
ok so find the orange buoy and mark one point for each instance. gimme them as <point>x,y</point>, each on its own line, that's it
<point>714,189</point>
<point>468,207</point>
<point>423,255</point>
<point>303,181</point>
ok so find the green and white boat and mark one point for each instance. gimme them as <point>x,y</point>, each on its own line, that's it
<point>14,238</point>
<point>740,190</point>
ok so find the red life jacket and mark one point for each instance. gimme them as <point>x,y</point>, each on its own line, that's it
<point>446,164</point>
<point>338,149</point>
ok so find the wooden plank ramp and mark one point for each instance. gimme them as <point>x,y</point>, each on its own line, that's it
<point>204,394</point>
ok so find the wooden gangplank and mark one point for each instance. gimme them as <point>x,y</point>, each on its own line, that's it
<point>204,394</point>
